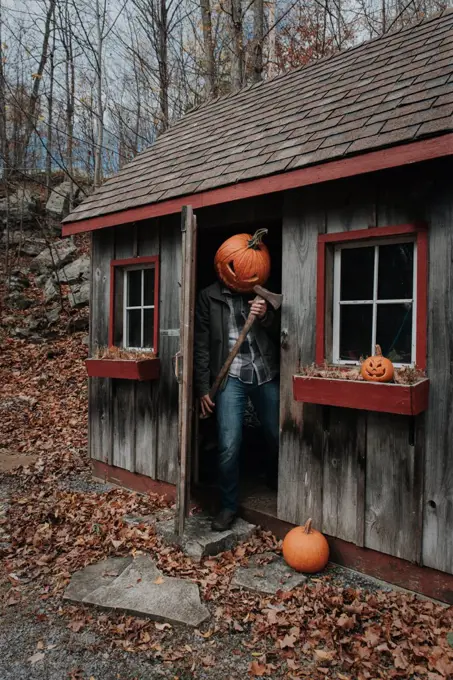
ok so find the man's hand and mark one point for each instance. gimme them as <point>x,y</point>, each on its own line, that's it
<point>207,405</point>
<point>259,308</point>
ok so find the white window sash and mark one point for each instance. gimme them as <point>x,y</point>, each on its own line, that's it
<point>127,308</point>
<point>337,303</point>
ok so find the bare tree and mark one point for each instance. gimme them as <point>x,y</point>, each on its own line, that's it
<point>208,48</point>
<point>258,38</point>
<point>237,44</point>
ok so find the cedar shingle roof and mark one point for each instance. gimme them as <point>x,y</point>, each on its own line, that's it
<point>392,90</point>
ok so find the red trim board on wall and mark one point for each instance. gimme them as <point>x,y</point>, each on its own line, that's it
<point>127,262</point>
<point>420,230</point>
<point>413,152</point>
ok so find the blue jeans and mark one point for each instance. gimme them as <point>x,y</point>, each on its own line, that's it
<point>230,410</point>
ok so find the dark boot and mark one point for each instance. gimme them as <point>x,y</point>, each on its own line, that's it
<point>224,520</point>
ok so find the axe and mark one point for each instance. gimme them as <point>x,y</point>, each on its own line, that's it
<point>275,300</point>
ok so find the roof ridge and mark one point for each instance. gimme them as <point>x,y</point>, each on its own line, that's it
<point>306,67</point>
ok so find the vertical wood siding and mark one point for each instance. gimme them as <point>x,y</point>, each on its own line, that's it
<point>133,425</point>
<point>378,480</point>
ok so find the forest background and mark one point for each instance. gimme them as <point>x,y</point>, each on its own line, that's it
<point>85,85</point>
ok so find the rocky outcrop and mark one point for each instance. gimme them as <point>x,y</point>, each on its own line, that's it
<point>54,257</point>
<point>80,295</point>
<point>76,271</point>
<point>20,207</point>
<point>59,200</point>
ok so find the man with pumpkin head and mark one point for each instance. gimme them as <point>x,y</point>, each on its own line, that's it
<point>241,263</point>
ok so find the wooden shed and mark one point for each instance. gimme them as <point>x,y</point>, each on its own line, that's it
<point>348,163</point>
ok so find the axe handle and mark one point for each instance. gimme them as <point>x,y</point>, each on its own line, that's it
<point>232,355</point>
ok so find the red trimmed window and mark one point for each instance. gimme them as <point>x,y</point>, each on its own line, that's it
<point>371,289</point>
<point>134,303</point>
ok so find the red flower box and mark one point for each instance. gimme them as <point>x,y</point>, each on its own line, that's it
<point>125,369</point>
<point>369,396</point>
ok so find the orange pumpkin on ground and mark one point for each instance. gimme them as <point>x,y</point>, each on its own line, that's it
<point>306,549</point>
<point>243,262</point>
<point>377,368</point>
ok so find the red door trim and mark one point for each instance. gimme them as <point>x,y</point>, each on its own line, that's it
<point>413,152</point>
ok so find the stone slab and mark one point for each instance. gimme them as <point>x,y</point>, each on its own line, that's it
<point>267,573</point>
<point>142,590</point>
<point>94,577</point>
<point>200,541</point>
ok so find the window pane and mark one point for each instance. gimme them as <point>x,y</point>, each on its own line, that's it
<point>355,331</point>
<point>133,327</point>
<point>134,288</point>
<point>149,286</point>
<point>396,267</point>
<point>357,272</point>
<point>394,332</point>
<point>148,338</point>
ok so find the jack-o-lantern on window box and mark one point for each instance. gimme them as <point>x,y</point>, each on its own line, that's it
<point>377,368</point>
<point>243,262</point>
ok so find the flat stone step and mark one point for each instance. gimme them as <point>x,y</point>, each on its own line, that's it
<point>199,540</point>
<point>138,587</point>
<point>267,573</point>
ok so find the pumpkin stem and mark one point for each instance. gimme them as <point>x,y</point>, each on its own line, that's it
<point>256,239</point>
<point>307,526</point>
<point>378,351</point>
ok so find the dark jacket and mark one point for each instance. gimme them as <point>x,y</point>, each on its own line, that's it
<point>211,336</point>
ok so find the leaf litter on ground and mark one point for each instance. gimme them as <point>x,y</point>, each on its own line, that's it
<point>320,630</point>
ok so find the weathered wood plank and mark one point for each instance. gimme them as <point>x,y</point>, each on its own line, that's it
<point>438,505</point>
<point>100,389</point>
<point>343,474</point>
<point>392,476</point>
<point>300,457</point>
<point>124,416</point>
<point>170,282</point>
<point>351,205</point>
<point>147,393</point>
<point>124,390</point>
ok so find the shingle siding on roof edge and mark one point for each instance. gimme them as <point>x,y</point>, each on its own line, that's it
<point>392,90</point>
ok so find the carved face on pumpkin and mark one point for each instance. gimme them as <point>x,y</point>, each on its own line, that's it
<point>243,262</point>
<point>377,368</point>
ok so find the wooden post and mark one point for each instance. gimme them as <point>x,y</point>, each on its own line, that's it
<point>187,318</point>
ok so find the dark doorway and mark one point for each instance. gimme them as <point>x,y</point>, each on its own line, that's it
<point>258,483</point>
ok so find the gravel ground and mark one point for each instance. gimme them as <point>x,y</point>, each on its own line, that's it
<point>36,644</point>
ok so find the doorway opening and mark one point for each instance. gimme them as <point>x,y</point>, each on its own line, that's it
<point>258,474</point>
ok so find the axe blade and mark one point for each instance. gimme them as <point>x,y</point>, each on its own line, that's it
<point>274,299</point>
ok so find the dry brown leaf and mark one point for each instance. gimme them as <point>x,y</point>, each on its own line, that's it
<point>324,654</point>
<point>158,581</point>
<point>257,669</point>
<point>39,656</point>
<point>162,626</point>
<point>287,641</point>
<point>76,626</point>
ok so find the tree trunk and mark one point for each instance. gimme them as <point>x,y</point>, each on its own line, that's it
<point>208,46</point>
<point>31,110</point>
<point>49,140</point>
<point>237,54</point>
<point>163,65</point>
<point>258,37</point>
<point>272,68</point>
<point>99,105</point>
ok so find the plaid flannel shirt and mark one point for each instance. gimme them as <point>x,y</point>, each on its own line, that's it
<point>248,361</point>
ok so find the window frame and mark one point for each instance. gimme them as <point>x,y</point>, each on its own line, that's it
<point>375,301</point>
<point>327,245</point>
<point>125,265</point>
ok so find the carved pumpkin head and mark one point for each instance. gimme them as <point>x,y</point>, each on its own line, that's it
<point>306,549</point>
<point>243,262</point>
<point>377,368</point>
